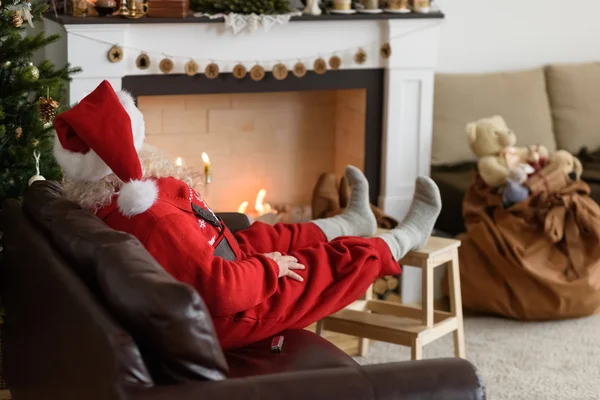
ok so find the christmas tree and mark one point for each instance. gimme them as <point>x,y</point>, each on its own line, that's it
<point>29,98</point>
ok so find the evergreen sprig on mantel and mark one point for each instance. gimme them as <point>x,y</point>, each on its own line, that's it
<point>260,7</point>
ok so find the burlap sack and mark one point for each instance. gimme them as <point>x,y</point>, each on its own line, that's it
<point>539,259</point>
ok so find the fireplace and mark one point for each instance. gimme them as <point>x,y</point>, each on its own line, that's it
<point>276,135</point>
<point>397,92</point>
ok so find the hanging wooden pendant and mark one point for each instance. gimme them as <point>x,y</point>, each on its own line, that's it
<point>335,62</point>
<point>166,65</point>
<point>211,71</point>
<point>299,69</point>
<point>257,73</point>
<point>320,66</point>
<point>115,54</point>
<point>386,50</point>
<point>143,61</point>
<point>360,57</point>
<point>239,71</point>
<point>191,68</point>
<point>280,72</point>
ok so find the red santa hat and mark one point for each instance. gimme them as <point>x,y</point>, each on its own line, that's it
<point>102,135</point>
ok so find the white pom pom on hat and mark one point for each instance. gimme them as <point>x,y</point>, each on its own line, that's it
<point>100,135</point>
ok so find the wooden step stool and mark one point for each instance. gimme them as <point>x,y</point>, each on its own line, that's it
<point>402,324</point>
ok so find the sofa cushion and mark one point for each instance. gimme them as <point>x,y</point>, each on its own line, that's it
<point>520,97</point>
<point>167,319</point>
<point>574,91</point>
<point>302,351</point>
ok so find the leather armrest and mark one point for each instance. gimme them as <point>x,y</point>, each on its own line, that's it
<point>448,379</point>
<point>235,221</point>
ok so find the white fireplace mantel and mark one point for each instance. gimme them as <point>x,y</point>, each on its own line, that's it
<point>409,72</point>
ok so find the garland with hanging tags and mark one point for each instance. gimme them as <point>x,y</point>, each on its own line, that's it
<point>241,69</point>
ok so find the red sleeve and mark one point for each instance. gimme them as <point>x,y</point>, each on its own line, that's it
<point>227,287</point>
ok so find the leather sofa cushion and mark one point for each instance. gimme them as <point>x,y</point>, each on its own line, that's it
<point>574,91</point>
<point>302,351</point>
<point>167,319</point>
<point>520,97</point>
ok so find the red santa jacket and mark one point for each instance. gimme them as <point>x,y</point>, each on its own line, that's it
<point>184,243</point>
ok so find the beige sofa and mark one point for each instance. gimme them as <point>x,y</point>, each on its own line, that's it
<point>557,106</point>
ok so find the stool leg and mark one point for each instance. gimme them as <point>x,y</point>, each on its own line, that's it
<point>456,305</point>
<point>427,295</point>
<point>416,348</point>
<point>363,347</point>
<point>319,328</point>
<point>363,344</point>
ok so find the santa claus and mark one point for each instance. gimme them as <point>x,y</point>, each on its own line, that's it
<point>256,282</point>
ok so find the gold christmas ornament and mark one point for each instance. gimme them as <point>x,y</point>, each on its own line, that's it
<point>257,73</point>
<point>143,61</point>
<point>280,72</point>
<point>115,54</point>
<point>299,70</point>
<point>19,132</point>
<point>16,19</point>
<point>335,62</point>
<point>191,68</point>
<point>30,73</point>
<point>320,66</point>
<point>239,71</point>
<point>386,50</point>
<point>360,57</point>
<point>165,65</point>
<point>47,107</point>
<point>211,71</point>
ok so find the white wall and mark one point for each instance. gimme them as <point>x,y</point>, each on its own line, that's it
<point>496,35</point>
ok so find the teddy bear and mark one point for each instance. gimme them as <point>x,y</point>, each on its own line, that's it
<point>561,170</point>
<point>570,165</point>
<point>494,144</point>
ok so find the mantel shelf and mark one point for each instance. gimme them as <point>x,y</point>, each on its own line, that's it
<point>70,20</point>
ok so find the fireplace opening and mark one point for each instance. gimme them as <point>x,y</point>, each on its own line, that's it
<point>267,150</point>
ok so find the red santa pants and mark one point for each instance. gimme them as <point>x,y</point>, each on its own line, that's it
<point>337,273</point>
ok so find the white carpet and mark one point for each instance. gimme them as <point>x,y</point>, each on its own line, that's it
<point>521,360</point>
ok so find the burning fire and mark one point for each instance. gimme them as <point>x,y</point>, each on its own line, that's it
<point>260,207</point>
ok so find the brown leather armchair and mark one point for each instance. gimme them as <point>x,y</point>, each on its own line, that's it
<point>61,341</point>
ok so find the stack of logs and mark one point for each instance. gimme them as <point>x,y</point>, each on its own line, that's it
<point>387,288</point>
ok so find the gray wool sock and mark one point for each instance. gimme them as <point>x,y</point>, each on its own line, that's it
<point>357,219</point>
<point>414,231</point>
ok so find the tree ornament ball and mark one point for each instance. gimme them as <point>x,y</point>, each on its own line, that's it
<point>16,19</point>
<point>30,73</point>
<point>335,63</point>
<point>211,71</point>
<point>36,178</point>
<point>191,68</point>
<point>320,66</point>
<point>280,72</point>
<point>166,65</point>
<point>239,71</point>
<point>6,65</point>
<point>18,133</point>
<point>360,57</point>
<point>299,70</point>
<point>257,73</point>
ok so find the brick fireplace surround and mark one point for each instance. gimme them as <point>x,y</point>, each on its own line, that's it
<point>377,114</point>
